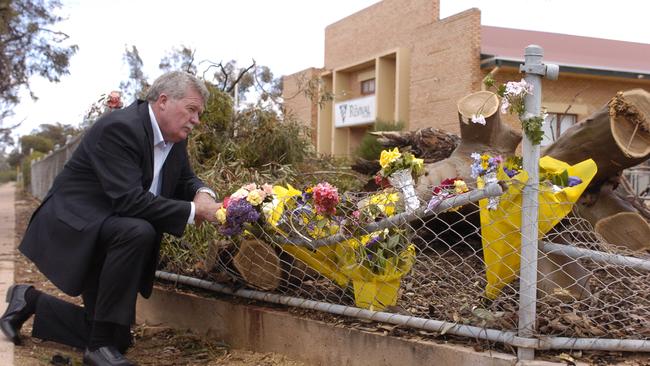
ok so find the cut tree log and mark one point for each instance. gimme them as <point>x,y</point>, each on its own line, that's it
<point>495,137</point>
<point>431,144</point>
<point>258,264</point>
<point>616,137</point>
<point>616,220</point>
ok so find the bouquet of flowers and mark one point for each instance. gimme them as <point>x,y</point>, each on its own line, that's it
<point>401,170</point>
<point>246,206</point>
<point>392,161</point>
<point>485,166</point>
<point>447,188</point>
<point>381,250</point>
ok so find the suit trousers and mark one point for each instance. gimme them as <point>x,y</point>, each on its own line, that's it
<point>125,246</point>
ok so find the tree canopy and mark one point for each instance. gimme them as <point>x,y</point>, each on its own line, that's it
<point>28,47</point>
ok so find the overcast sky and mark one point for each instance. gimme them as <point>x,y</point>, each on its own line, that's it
<point>286,35</point>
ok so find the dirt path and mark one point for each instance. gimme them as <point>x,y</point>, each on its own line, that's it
<point>153,345</point>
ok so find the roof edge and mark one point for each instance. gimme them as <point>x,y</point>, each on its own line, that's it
<point>491,61</point>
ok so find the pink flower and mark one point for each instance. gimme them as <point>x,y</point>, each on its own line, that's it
<point>326,197</point>
<point>250,187</point>
<point>226,201</point>
<point>114,100</point>
<point>267,188</point>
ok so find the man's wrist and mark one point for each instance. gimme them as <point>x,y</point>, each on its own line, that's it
<point>208,191</point>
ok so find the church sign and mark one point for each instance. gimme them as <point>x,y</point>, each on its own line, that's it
<point>353,112</point>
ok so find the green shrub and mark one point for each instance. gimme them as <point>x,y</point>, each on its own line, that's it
<point>26,167</point>
<point>7,175</point>
<point>369,148</point>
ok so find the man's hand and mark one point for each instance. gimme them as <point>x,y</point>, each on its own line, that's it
<point>205,207</point>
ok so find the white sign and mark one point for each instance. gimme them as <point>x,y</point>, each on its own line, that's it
<point>353,112</point>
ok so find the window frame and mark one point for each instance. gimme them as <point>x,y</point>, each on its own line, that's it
<point>363,83</point>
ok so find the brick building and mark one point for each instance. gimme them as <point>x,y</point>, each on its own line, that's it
<point>398,61</point>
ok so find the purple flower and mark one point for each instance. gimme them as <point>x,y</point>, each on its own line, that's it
<point>510,172</point>
<point>237,214</point>
<point>574,181</point>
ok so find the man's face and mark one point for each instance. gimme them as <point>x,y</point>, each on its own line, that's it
<point>179,116</point>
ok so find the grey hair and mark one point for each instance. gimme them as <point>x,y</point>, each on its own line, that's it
<point>175,85</point>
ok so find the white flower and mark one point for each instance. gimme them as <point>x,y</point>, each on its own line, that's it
<point>505,104</point>
<point>478,118</point>
<point>267,208</point>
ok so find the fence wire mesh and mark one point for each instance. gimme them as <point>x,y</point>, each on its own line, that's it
<point>460,265</point>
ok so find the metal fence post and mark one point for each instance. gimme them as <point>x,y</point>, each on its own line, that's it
<point>534,70</point>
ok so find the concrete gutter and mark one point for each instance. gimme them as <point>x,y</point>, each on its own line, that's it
<point>314,342</point>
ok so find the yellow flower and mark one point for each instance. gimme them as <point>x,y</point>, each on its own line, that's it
<point>221,215</point>
<point>389,156</point>
<point>255,197</point>
<point>460,186</point>
<point>386,202</point>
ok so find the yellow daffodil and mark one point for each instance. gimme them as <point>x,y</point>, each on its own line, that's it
<point>389,156</point>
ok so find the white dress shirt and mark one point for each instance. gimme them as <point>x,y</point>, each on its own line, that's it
<point>160,151</point>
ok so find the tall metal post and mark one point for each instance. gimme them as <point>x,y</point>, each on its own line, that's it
<point>534,70</point>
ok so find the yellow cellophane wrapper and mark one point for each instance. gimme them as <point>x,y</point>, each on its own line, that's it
<point>339,261</point>
<point>501,228</point>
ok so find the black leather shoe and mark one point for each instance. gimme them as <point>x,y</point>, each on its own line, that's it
<point>15,315</point>
<point>105,356</point>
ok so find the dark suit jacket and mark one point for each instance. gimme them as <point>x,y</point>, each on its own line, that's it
<point>109,174</point>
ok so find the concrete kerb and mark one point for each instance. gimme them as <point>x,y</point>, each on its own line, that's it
<point>7,232</point>
<point>262,329</point>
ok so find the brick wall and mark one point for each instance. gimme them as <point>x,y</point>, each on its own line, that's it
<point>296,103</point>
<point>374,30</point>
<point>444,68</point>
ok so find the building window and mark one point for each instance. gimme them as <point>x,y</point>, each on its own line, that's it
<point>555,125</point>
<point>368,87</point>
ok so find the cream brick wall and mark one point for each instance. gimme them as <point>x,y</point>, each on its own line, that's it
<point>444,68</point>
<point>374,30</point>
<point>296,103</point>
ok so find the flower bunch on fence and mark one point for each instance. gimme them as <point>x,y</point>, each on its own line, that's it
<point>512,96</point>
<point>290,215</point>
<point>447,188</point>
<point>401,170</point>
<point>246,206</point>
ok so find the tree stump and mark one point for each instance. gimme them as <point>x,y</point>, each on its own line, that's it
<point>495,137</point>
<point>258,264</point>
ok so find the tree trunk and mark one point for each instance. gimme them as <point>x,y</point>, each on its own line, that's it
<point>431,144</point>
<point>494,137</point>
<point>616,137</point>
<point>615,219</point>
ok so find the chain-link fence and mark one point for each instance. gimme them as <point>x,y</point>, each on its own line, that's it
<point>450,265</point>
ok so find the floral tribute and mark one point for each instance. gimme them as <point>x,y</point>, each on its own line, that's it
<point>245,206</point>
<point>512,96</point>
<point>370,260</point>
<point>393,160</point>
<point>485,166</point>
<point>105,104</point>
<point>401,170</point>
<point>447,188</point>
